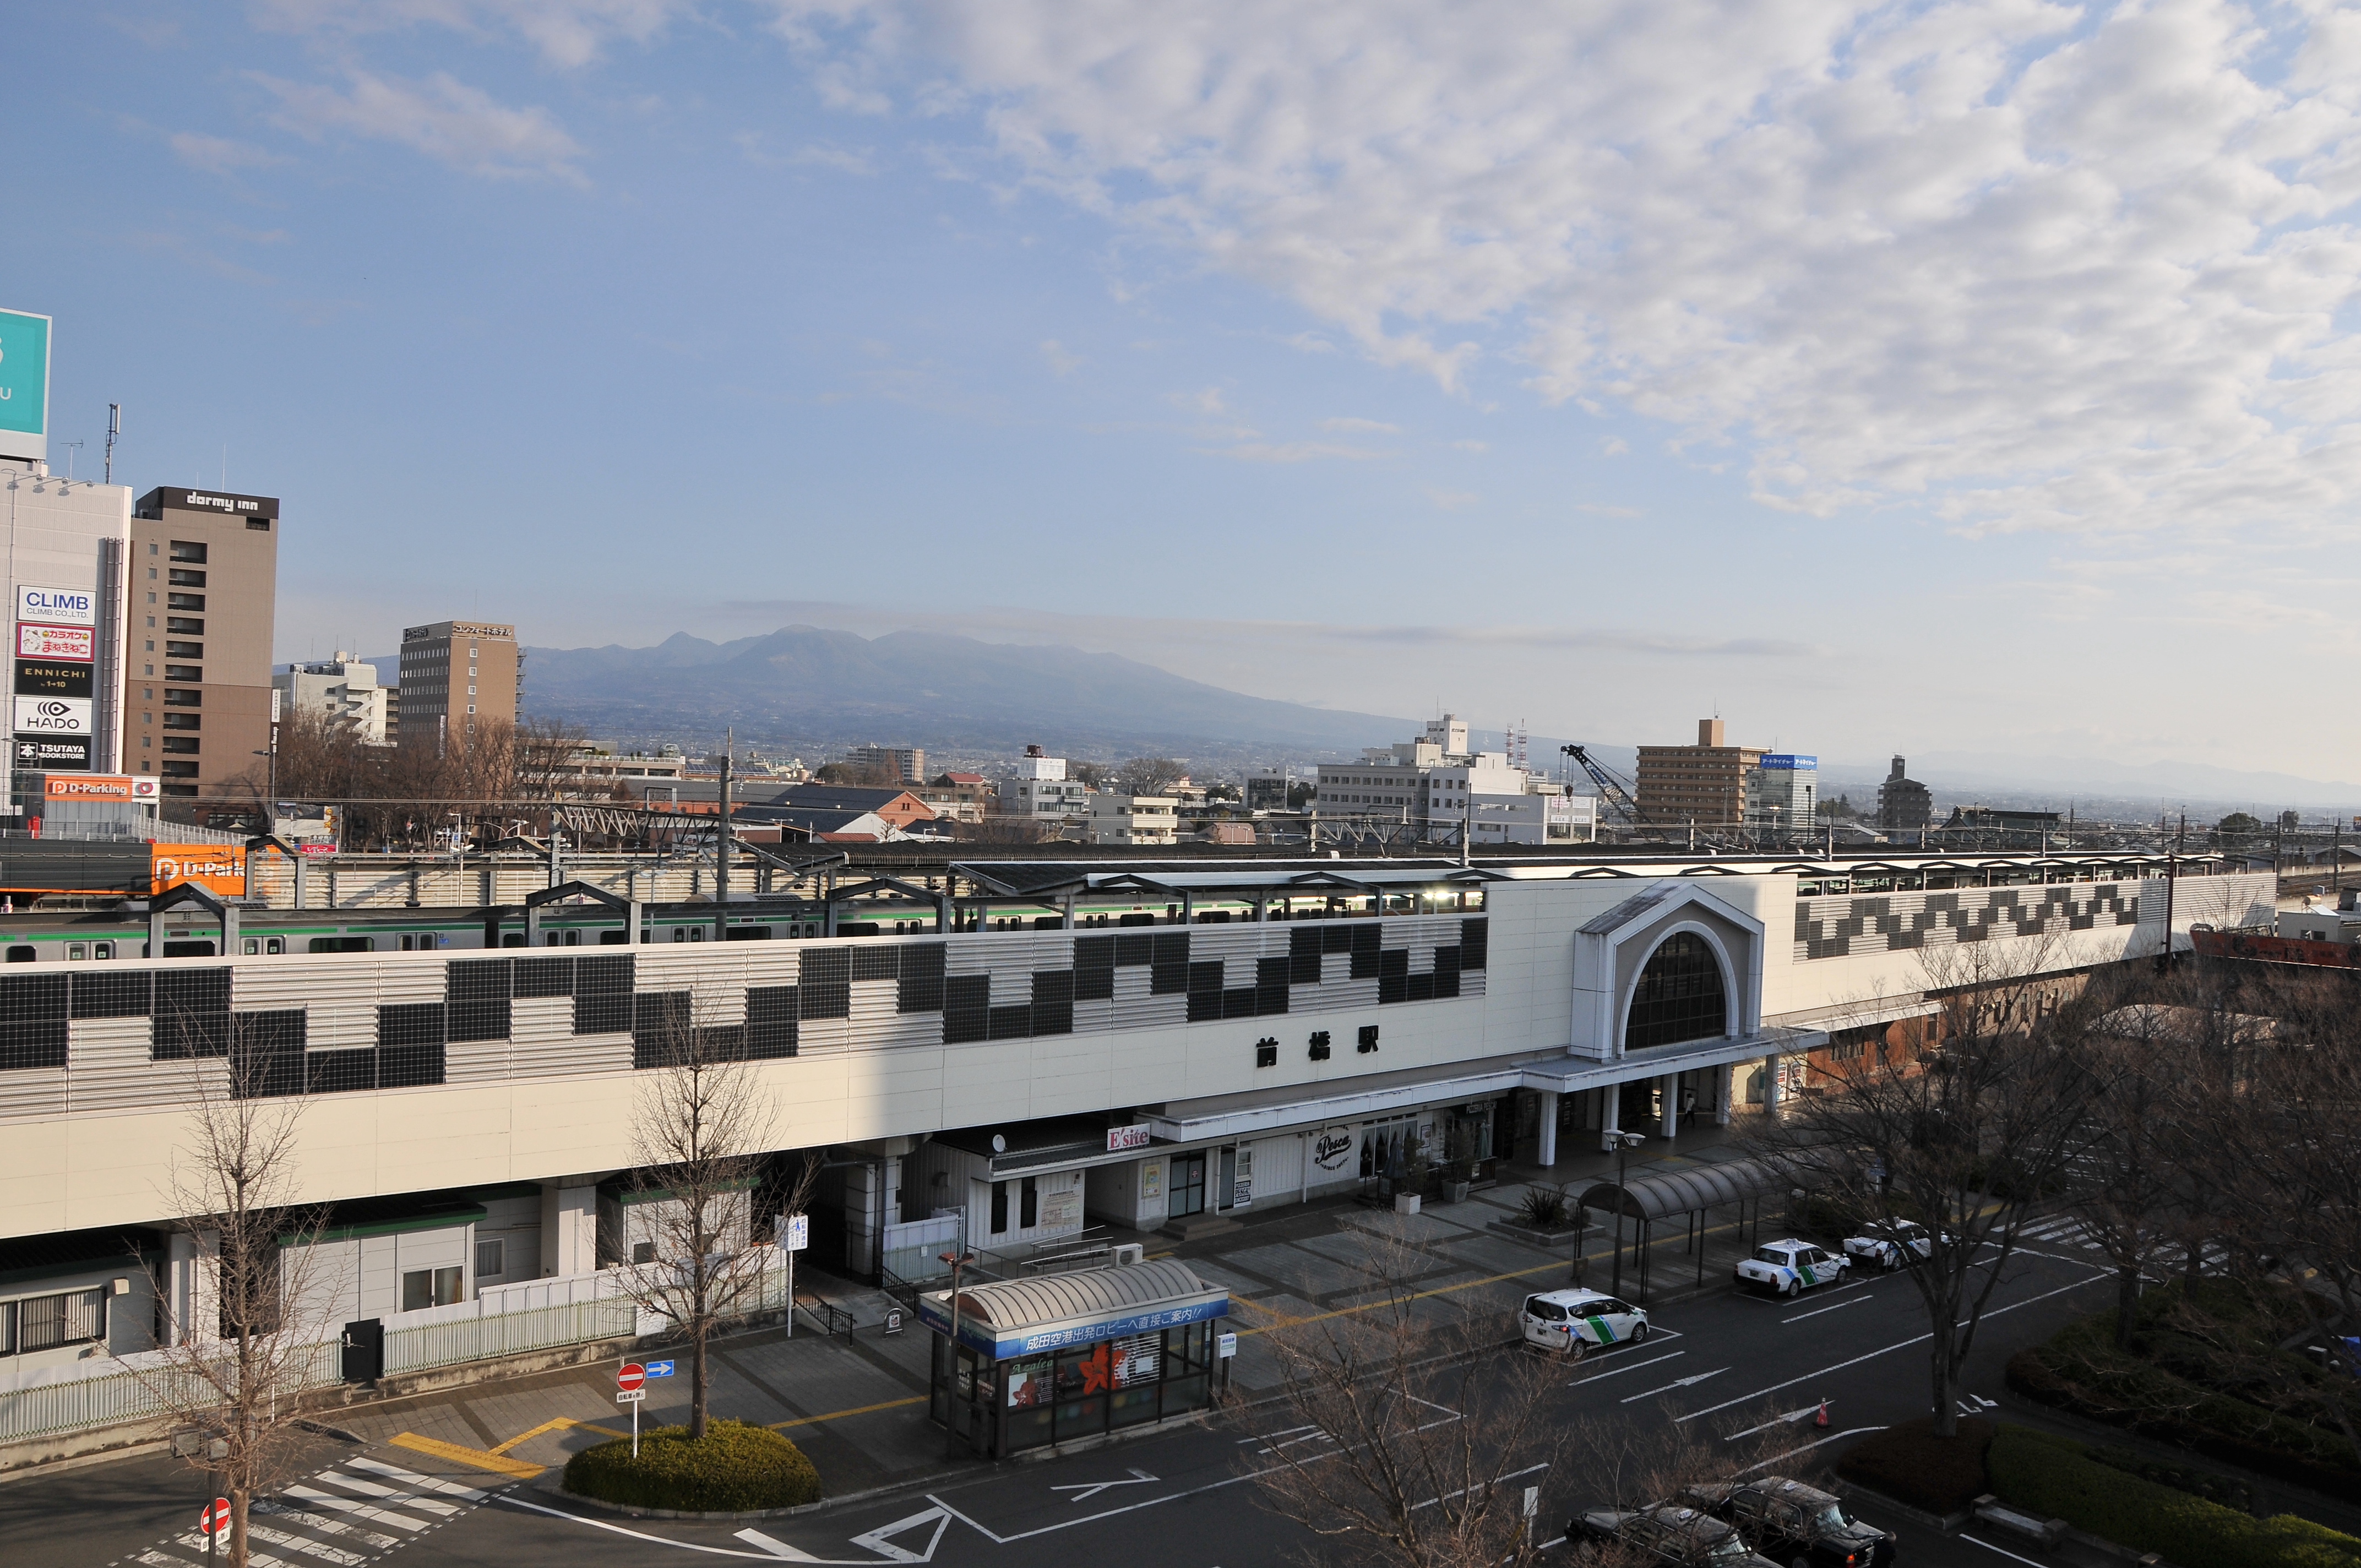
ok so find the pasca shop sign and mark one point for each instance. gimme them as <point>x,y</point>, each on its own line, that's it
<point>211,866</point>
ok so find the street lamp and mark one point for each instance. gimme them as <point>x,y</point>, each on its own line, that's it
<point>1624,1144</point>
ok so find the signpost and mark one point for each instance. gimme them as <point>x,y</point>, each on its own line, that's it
<point>628,1379</point>
<point>795,1236</point>
<point>213,1522</point>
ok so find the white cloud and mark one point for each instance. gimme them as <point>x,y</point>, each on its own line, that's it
<point>1294,452</point>
<point>1471,447</point>
<point>568,33</point>
<point>2025,263</point>
<point>1453,501</point>
<point>1359,427</point>
<point>1613,446</point>
<point>1596,510</point>
<point>1208,401</point>
<point>812,155</point>
<point>445,119</point>
<point>219,155</point>
<point>1059,361</point>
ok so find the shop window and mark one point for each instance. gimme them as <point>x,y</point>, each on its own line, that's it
<point>1679,996</point>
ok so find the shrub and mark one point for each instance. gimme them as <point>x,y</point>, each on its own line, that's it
<point>2051,1476</point>
<point>734,1468</point>
<point>1543,1208</point>
<point>1911,1465</point>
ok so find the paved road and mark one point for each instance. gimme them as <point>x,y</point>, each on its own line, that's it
<point>1180,1499</point>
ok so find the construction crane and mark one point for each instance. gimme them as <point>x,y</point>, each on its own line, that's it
<point>1612,789</point>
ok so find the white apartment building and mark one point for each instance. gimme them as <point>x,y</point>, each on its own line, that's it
<point>343,689</point>
<point>1134,819</point>
<point>1435,783</point>
<point>1042,789</point>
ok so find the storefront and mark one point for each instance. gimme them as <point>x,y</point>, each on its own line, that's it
<point>1072,1355</point>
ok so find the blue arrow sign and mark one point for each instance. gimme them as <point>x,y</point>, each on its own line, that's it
<point>659,1368</point>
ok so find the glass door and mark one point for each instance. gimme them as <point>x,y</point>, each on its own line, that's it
<point>1188,1186</point>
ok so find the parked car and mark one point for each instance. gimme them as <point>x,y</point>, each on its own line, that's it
<point>1891,1244</point>
<point>1575,1319</point>
<point>1665,1533</point>
<point>1795,1524</point>
<point>1790,1267</point>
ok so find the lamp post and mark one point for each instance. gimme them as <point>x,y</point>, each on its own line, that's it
<point>951,1433</point>
<point>1624,1144</point>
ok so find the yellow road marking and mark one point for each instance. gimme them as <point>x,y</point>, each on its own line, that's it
<point>482,1459</point>
<point>560,1424</point>
<point>858,1410</point>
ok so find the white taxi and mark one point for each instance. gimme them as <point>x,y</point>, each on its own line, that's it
<point>1892,1245</point>
<point>1790,1267</point>
<point>1573,1321</point>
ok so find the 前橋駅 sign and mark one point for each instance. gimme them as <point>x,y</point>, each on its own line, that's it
<point>24,386</point>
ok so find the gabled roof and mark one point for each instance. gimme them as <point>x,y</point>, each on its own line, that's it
<point>1662,897</point>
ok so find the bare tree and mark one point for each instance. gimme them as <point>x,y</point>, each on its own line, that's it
<point>1412,1437</point>
<point>1149,775</point>
<point>245,1339</point>
<point>2127,1183</point>
<point>1965,1139</point>
<point>699,1134</point>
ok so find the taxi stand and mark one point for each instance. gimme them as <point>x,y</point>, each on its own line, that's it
<point>1066,1356</point>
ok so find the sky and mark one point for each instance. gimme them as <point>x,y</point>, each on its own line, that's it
<point>1979,379</point>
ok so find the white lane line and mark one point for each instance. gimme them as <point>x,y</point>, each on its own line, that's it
<point>359,1510</point>
<point>397,1494</point>
<point>659,1539</point>
<point>1817,1311</point>
<point>1788,1420</point>
<point>1265,1437</point>
<point>1676,1383</point>
<point>1635,1366</point>
<point>432,1483</point>
<point>1872,1355</point>
<point>2004,1550</point>
<point>1833,1437</point>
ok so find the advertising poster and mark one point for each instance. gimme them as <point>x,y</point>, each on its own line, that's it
<point>57,607</point>
<point>80,642</point>
<point>45,755</point>
<point>53,677</point>
<point>51,716</point>
<point>214,867</point>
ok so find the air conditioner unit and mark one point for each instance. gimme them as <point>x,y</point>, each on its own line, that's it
<point>1128,1253</point>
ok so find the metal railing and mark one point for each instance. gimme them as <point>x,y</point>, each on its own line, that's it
<point>508,1334</point>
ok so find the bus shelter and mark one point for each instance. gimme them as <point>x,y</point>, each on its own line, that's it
<point>1072,1355</point>
<point>1691,1194</point>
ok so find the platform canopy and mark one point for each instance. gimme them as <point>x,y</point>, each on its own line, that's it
<point>1026,1317</point>
<point>1685,1191</point>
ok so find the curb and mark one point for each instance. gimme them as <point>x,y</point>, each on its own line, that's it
<point>629,1511</point>
<point>1948,1524</point>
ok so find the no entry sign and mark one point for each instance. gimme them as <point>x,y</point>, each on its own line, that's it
<point>214,1521</point>
<point>630,1377</point>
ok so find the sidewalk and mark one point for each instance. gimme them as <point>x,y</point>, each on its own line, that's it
<point>857,1403</point>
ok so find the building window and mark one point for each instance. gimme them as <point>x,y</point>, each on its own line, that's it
<point>429,1287</point>
<point>46,1322</point>
<point>1679,996</point>
<point>1000,1208</point>
<point>187,550</point>
<point>1029,1209</point>
<point>490,1263</point>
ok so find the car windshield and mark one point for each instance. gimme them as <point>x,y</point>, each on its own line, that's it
<point>1771,1255</point>
<point>1730,1548</point>
<point>1831,1518</point>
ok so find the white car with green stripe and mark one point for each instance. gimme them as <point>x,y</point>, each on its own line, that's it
<point>1790,1267</point>
<point>1575,1321</point>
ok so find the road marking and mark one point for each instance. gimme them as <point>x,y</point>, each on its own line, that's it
<point>775,1548</point>
<point>1084,1491</point>
<point>1872,1355</point>
<point>1817,1311</point>
<point>638,1535</point>
<point>448,1488</point>
<point>1788,1420</point>
<point>391,1494</point>
<point>560,1424</point>
<point>196,1543</point>
<point>856,1410</point>
<point>359,1510</point>
<point>878,1540</point>
<point>1833,1437</point>
<point>481,1458</point>
<point>293,1543</point>
<point>1635,1366</point>
<point>1676,1383</point>
<point>334,1527</point>
<point>1265,1437</point>
<point>2005,1551</point>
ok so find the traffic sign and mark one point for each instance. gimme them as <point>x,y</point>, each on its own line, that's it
<point>796,1235</point>
<point>214,1521</point>
<point>629,1396</point>
<point>631,1375</point>
<point>659,1368</point>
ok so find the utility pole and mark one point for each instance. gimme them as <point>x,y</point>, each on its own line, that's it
<point>722,844</point>
<point>114,429</point>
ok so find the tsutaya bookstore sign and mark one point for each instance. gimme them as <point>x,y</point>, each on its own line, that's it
<point>24,386</point>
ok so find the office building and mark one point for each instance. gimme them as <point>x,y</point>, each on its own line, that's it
<point>460,680</point>
<point>69,541</point>
<point>1267,789</point>
<point>1903,803</point>
<point>1438,789</point>
<point>1783,793</point>
<point>204,589</point>
<point>907,763</point>
<point>1704,784</point>
<point>343,690</point>
<point>1041,790</point>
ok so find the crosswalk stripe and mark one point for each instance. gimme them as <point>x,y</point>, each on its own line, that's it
<point>335,1527</point>
<point>196,1543</point>
<point>361,1510</point>
<point>371,1489</point>
<point>158,1559</point>
<point>410,1477</point>
<point>319,1549</point>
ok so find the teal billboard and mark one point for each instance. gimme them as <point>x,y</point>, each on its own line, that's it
<point>24,385</point>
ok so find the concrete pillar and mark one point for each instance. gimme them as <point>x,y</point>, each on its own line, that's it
<point>1610,1117</point>
<point>1546,1154</point>
<point>1771,1086</point>
<point>1668,1102</point>
<point>570,1229</point>
<point>1722,1086</point>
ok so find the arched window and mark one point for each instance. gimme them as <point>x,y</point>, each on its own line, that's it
<point>1679,996</point>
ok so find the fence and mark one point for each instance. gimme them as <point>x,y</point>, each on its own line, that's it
<point>913,1249</point>
<point>146,1395</point>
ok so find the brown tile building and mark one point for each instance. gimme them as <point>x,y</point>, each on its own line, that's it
<point>458,679</point>
<point>1704,784</point>
<point>197,692</point>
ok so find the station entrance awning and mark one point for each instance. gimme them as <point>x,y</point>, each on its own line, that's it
<point>1026,1317</point>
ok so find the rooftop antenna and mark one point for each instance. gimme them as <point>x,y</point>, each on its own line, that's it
<point>114,429</point>
<point>71,447</point>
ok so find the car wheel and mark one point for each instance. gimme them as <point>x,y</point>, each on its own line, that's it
<point>1893,1261</point>
<point>1800,1562</point>
<point>1639,1332</point>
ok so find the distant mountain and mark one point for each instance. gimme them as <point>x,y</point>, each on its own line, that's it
<point>947,694</point>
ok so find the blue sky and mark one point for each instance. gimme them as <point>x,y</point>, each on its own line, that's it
<point>1963,379</point>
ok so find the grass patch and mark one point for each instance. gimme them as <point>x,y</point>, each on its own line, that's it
<point>734,1468</point>
<point>1911,1465</point>
<point>2197,1379</point>
<point>2055,1477</point>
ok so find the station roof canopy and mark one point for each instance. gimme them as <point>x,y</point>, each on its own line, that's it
<point>1686,1192</point>
<point>1035,880</point>
<point>1053,1312</point>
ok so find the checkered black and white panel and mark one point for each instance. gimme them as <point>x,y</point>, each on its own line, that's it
<point>1844,926</point>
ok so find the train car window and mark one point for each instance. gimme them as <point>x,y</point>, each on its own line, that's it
<point>408,941</point>
<point>573,938</point>
<point>274,944</point>
<point>77,950</point>
<point>22,953</point>
<point>341,945</point>
<point>680,933</point>
<point>614,938</point>
<point>512,938</point>
<point>251,946</point>
<point>200,949</point>
<point>102,949</point>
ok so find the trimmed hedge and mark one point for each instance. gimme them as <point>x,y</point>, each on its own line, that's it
<point>2055,1478</point>
<point>1911,1465</point>
<point>734,1468</point>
